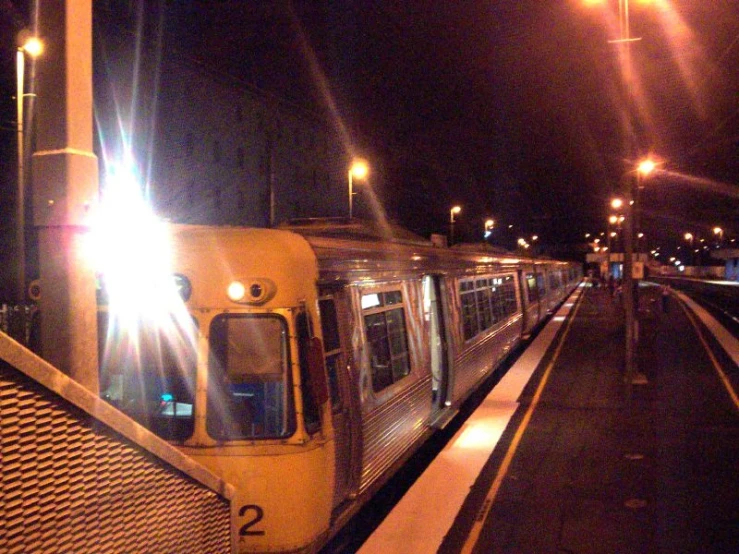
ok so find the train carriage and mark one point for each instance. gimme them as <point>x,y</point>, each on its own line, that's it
<point>312,360</point>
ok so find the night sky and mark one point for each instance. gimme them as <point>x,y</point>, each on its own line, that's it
<point>512,109</point>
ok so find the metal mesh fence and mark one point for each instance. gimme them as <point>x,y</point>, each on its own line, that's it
<point>70,484</point>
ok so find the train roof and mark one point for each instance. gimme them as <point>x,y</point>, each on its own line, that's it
<point>354,229</point>
<point>332,250</point>
<point>361,248</point>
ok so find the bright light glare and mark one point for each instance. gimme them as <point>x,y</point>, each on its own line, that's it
<point>33,47</point>
<point>359,169</point>
<point>130,250</point>
<point>646,167</point>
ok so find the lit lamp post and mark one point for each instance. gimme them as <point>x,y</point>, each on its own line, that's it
<point>631,292</point>
<point>359,169</point>
<point>719,232</point>
<point>644,168</point>
<point>489,224</point>
<point>689,237</point>
<point>454,211</point>
<point>612,221</point>
<point>33,47</point>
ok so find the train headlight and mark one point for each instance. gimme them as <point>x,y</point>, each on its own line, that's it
<point>251,291</point>
<point>236,291</point>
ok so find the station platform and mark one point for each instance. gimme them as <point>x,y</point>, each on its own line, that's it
<point>565,456</point>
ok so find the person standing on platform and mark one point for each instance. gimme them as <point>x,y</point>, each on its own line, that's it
<point>665,298</point>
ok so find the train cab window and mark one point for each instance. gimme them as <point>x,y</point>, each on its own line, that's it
<point>149,374</point>
<point>384,324</point>
<point>332,348</point>
<point>248,378</point>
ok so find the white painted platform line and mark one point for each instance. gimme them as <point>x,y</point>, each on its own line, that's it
<point>422,518</point>
<point>729,343</point>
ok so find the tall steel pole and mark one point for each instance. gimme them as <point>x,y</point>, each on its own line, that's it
<point>20,223</point>
<point>632,208</point>
<point>351,193</point>
<point>65,179</point>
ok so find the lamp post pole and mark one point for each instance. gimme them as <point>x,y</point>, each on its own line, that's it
<point>689,238</point>
<point>33,47</point>
<point>20,59</point>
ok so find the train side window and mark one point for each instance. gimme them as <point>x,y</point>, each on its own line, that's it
<point>470,325</point>
<point>384,323</point>
<point>540,285</point>
<point>485,302</point>
<point>483,292</point>
<point>248,379</point>
<point>531,290</point>
<point>332,348</point>
<point>504,297</point>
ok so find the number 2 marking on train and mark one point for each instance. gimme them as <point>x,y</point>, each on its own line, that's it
<point>245,530</point>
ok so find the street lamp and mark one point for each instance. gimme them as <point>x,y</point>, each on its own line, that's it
<point>489,224</point>
<point>454,211</point>
<point>643,170</point>
<point>33,47</point>
<point>630,293</point>
<point>689,237</point>
<point>359,169</point>
<point>719,232</point>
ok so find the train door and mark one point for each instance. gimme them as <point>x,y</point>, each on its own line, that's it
<point>523,293</point>
<point>332,304</point>
<point>432,311</point>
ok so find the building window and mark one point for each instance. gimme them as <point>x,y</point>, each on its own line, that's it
<point>384,324</point>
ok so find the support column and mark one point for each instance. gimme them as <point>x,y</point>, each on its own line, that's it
<point>65,188</point>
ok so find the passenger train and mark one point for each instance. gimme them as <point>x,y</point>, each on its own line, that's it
<point>315,358</point>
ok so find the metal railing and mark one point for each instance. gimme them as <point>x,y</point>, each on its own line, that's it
<point>20,322</point>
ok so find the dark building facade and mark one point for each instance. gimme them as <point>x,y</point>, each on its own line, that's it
<point>207,147</point>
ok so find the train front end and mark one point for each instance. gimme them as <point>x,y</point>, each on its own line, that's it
<point>228,365</point>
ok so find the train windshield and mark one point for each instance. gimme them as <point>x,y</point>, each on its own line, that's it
<point>149,374</point>
<point>248,379</point>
